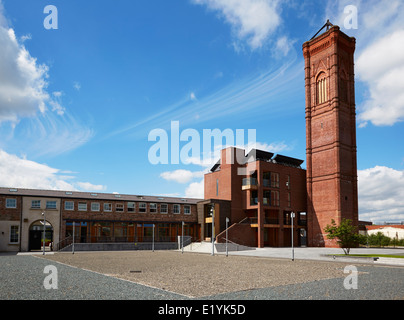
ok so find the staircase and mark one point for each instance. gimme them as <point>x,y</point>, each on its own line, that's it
<point>206,247</point>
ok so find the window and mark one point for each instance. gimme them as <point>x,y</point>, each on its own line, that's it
<point>274,180</point>
<point>119,207</point>
<point>131,207</point>
<point>289,200</point>
<point>153,207</point>
<point>11,203</point>
<point>50,204</point>
<point>266,179</point>
<point>69,205</point>
<point>321,85</point>
<point>95,206</point>
<point>187,209</point>
<point>107,207</point>
<point>217,187</point>
<point>176,209</point>
<point>142,207</point>
<point>267,197</point>
<point>275,198</point>
<point>164,208</point>
<point>82,206</point>
<point>288,182</point>
<point>36,204</point>
<point>254,198</point>
<point>14,234</point>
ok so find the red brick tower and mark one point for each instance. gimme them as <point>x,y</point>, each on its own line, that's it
<point>330,132</point>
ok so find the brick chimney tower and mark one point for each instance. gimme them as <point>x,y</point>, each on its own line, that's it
<point>330,132</point>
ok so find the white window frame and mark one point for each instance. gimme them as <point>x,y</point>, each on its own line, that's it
<point>66,208</point>
<point>131,206</point>
<point>107,207</point>
<point>185,209</point>
<point>166,208</point>
<point>95,206</point>
<point>153,207</point>
<point>11,233</point>
<point>82,209</point>
<point>11,207</point>
<point>142,206</point>
<point>177,206</point>
<point>118,207</point>
<point>48,202</point>
<point>36,206</point>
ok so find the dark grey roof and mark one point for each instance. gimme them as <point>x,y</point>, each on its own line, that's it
<point>94,195</point>
<point>288,161</point>
<point>261,155</point>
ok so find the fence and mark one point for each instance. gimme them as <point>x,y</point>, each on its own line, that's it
<point>122,243</point>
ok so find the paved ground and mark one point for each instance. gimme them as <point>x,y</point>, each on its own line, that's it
<point>161,275</point>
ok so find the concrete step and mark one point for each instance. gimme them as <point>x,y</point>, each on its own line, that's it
<point>206,247</point>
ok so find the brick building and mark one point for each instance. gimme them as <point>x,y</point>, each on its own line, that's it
<point>332,191</point>
<point>98,218</point>
<point>254,193</point>
<point>257,192</point>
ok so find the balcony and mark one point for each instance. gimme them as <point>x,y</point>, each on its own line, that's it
<point>253,221</point>
<point>249,184</point>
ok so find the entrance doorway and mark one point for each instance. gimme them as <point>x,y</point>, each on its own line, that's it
<point>36,233</point>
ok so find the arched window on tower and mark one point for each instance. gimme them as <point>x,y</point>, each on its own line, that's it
<point>321,86</point>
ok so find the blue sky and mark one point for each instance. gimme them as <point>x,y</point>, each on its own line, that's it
<point>77,103</point>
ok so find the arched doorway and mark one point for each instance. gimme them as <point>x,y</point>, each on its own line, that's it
<point>36,232</point>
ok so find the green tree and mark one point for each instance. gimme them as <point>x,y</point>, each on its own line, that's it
<point>346,234</point>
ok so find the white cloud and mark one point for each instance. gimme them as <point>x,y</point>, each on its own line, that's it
<point>195,190</point>
<point>87,186</point>
<point>284,45</point>
<point>181,176</point>
<point>381,194</point>
<point>22,173</point>
<point>381,66</point>
<point>37,118</point>
<point>76,85</point>
<point>22,81</point>
<point>251,20</point>
<point>47,134</point>
<point>379,58</point>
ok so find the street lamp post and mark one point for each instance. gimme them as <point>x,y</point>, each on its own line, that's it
<point>292,215</point>
<point>182,238</point>
<point>74,224</point>
<point>44,231</point>
<point>213,229</point>
<point>227,236</point>
<point>153,238</point>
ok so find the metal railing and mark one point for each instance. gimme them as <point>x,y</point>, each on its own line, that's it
<point>118,239</point>
<point>250,182</point>
<point>254,220</point>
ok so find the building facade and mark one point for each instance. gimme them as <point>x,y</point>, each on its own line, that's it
<point>257,192</point>
<point>254,196</point>
<point>332,191</point>
<point>97,218</point>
